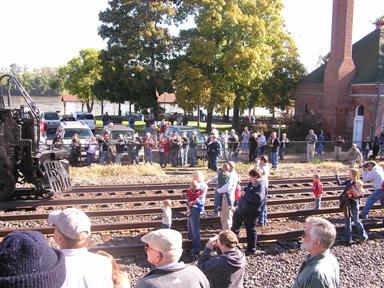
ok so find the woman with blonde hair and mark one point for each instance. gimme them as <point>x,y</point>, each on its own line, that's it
<point>120,278</point>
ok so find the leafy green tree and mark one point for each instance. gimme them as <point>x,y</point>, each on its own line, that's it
<point>136,61</point>
<point>233,46</point>
<point>80,74</point>
<point>287,72</point>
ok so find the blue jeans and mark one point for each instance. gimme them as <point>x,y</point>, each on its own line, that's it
<point>348,224</point>
<point>320,149</point>
<point>193,225</point>
<point>103,156</point>
<point>147,156</point>
<point>219,200</point>
<point>224,150</point>
<point>263,217</point>
<point>90,158</point>
<point>244,147</point>
<point>184,156</point>
<point>193,155</point>
<point>318,203</point>
<point>212,162</point>
<point>377,195</point>
<point>275,159</point>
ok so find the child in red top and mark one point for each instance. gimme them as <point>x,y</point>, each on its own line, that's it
<point>317,190</point>
<point>192,194</point>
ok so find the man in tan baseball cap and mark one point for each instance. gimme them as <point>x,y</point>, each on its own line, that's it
<point>72,233</point>
<point>164,249</point>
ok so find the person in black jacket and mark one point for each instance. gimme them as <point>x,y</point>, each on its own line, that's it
<point>248,209</point>
<point>227,269</point>
<point>213,151</point>
<point>253,148</point>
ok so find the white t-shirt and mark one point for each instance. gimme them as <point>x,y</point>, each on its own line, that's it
<point>167,215</point>
<point>86,269</point>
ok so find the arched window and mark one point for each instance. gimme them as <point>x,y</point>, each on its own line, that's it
<point>359,110</point>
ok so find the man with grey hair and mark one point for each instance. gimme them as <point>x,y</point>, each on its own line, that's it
<point>164,249</point>
<point>321,269</point>
<point>311,145</point>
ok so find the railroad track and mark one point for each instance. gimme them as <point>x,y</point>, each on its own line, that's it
<point>152,224</point>
<point>273,183</point>
<point>153,211</point>
<point>287,196</point>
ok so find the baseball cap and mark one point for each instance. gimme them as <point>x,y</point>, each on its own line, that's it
<point>164,239</point>
<point>71,222</point>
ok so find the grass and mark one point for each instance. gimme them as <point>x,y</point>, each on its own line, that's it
<point>100,171</point>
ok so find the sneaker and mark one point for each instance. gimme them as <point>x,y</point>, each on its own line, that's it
<point>249,252</point>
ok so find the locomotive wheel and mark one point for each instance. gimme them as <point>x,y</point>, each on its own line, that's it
<point>7,184</point>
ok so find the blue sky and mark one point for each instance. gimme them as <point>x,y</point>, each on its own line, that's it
<point>50,32</point>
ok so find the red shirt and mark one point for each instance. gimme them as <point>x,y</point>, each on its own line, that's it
<point>317,189</point>
<point>193,194</point>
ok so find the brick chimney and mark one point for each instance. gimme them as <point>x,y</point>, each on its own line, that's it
<point>339,70</point>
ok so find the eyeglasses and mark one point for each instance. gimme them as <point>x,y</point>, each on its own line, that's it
<point>146,247</point>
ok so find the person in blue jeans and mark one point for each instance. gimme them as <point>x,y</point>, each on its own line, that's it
<point>222,178</point>
<point>274,145</point>
<point>375,174</point>
<point>196,209</point>
<point>352,194</point>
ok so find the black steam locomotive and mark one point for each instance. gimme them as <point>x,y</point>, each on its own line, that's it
<point>23,159</point>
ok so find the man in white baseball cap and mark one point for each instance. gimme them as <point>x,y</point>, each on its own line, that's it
<point>72,233</point>
<point>164,249</point>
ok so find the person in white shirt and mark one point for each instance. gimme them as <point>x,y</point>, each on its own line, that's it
<point>226,213</point>
<point>374,173</point>
<point>264,167</point>
<point>166,220</point>
<point>84,269</point>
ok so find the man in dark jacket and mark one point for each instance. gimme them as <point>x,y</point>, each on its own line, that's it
<point>248,209</point>
<point>213,151</point>
<point>227,269</point>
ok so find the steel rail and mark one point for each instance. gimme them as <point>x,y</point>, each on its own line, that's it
<point>180,223</point>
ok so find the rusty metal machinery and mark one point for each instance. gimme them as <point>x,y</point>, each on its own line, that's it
<point>23,159</point>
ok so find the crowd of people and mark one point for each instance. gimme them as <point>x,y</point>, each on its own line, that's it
<point>26,257</point>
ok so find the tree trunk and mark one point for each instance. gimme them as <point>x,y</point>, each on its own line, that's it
<point>209,119</point>
<point>198,116</point>
<point>89,104</point>
<point>236,113</point>
<point>102,106</point>
<point>119,112</point>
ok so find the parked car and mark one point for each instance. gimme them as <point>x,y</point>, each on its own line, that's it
<point>201,144</point>
<point>116,129</point>
<point>52,119</point>
<point>86,118</point>
<point>68,129</point>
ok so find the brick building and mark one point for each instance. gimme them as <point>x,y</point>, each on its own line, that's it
<point>345,92</point>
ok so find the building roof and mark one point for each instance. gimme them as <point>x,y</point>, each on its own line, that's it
<point>166,98</point>
<point>368,57</point>
<point>69,98</point>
